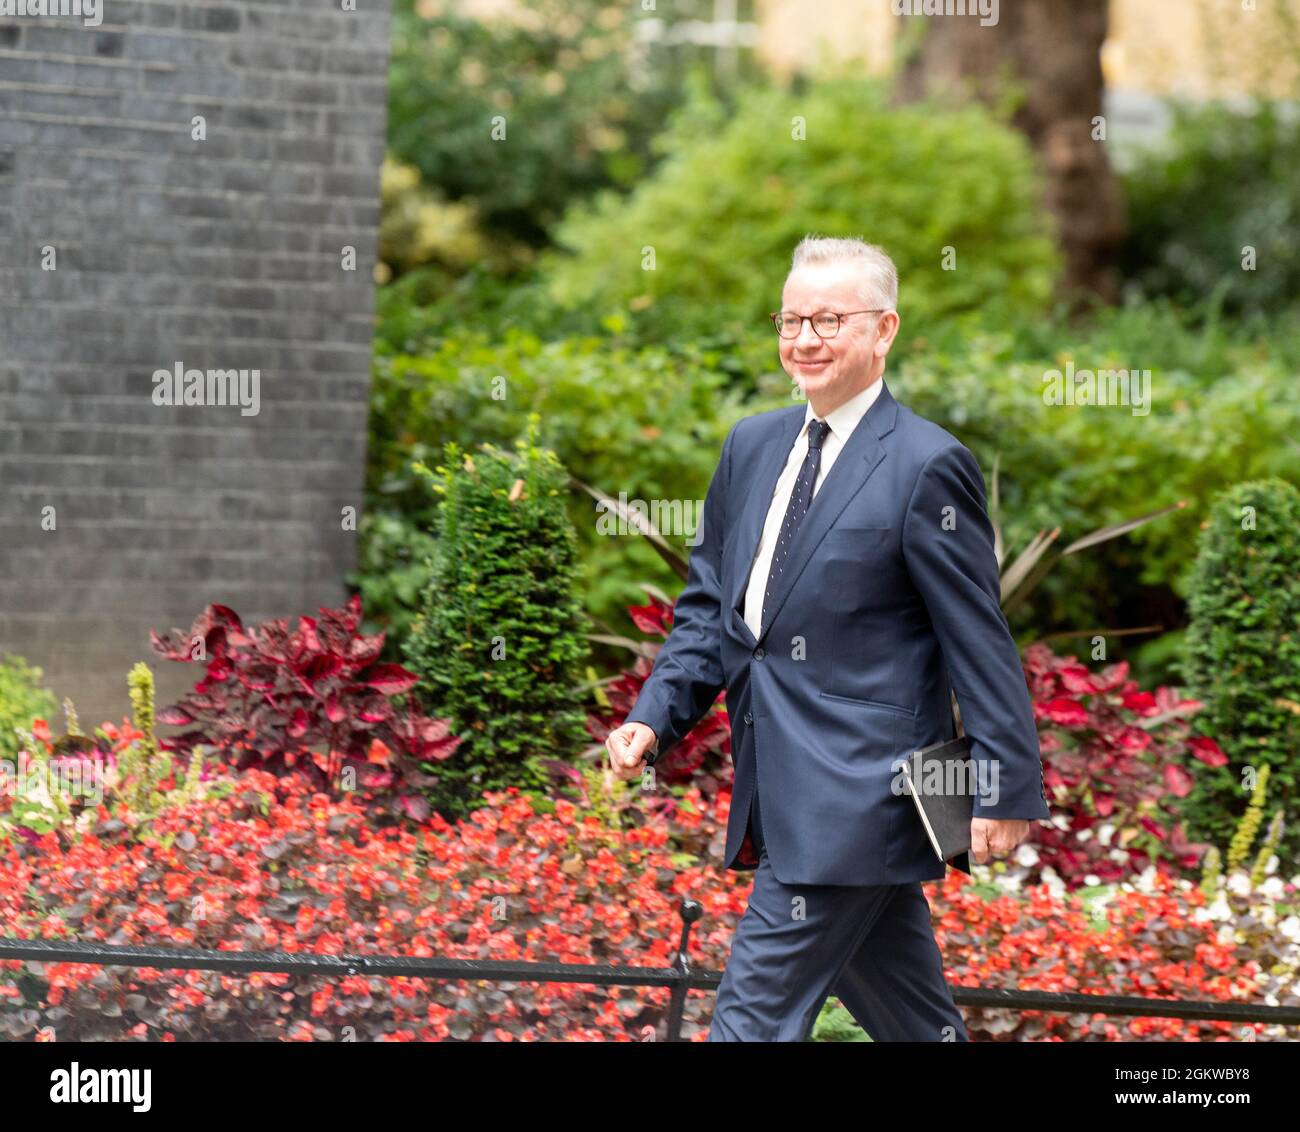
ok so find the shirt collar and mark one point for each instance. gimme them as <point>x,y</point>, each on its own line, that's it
<point>845,419</point>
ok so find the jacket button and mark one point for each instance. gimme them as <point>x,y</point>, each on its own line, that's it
<point>759,654</point>
<point>749,718</point>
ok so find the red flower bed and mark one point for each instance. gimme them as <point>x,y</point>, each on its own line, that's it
<point>1149,945</point>
<point>276,866</point>
<point>267,863</point>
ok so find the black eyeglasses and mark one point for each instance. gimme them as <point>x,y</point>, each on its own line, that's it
<point>825,324</point>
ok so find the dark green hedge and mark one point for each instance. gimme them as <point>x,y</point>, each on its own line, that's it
<point>1243,654</point>
<point>498,643</point>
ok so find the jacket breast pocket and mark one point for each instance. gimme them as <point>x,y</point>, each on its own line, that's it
<point>870,534</point>
<point>855,562</point>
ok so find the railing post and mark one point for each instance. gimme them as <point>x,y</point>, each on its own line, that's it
<point>690,911</point>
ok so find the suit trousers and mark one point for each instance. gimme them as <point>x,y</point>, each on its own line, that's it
<point>871,946</point>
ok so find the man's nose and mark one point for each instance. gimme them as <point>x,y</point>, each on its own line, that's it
<point>807,337</point>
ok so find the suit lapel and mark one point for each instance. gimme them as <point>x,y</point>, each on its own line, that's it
<point>772,456</point>
<point>859,457</point>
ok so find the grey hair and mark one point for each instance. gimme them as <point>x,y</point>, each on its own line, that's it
<point>879,285</point>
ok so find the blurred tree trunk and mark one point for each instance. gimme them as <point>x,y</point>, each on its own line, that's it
<point>1051,49</point>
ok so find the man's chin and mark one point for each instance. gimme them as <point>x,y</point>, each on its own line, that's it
<point>811,384</point>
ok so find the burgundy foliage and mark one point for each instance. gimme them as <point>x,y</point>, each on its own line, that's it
<point>311,698</point>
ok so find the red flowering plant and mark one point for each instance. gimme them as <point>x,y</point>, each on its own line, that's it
<point>703,757</point>
<point>312,698</point>
<point>1115,762</point>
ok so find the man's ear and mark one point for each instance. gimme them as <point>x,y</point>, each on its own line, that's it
<point>886,332</point>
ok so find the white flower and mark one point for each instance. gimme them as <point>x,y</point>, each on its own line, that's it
<point>1092,879</point>
<point>1026,855</point>
<point>1239,883</point>
<point>1218,909</point>
<point>1273,888</point>
<point>1290,927</point>
<point>1052,879</point>
<point>36,793</point>
<point>1009,882</point>
<point>1105,833</point>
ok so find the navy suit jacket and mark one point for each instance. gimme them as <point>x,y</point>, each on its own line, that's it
<point>890,596</point>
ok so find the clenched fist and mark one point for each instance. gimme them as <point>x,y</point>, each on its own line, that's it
<point>628,746</point>
<point>993,837</point>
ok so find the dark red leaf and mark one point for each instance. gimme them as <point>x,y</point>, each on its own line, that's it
<point>335,712</point>
<point>390,679</point>
<point>1207,750</point>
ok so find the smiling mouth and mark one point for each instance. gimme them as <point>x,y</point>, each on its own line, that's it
<point>823,362</point>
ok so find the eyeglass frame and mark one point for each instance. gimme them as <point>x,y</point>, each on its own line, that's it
<point>841,315</point>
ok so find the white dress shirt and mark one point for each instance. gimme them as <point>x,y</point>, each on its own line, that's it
<point>842,422</point>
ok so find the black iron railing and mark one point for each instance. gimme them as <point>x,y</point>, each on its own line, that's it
<point>681,976</point>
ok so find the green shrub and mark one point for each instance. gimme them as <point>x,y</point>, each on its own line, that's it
<point>578,99</point>
<point>421,309</point>
<point>1243,654</point>
<point>22,700</point>
<point>419,226</point>
<point>734,195</point>
<point>1220,182</point>
<point>648,421</point>
<point>499,643</point>
<point>1223,410</point>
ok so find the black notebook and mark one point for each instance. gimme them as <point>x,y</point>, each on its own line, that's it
<point>945,799</point>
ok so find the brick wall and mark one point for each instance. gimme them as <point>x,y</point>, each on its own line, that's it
<point>222,253</point>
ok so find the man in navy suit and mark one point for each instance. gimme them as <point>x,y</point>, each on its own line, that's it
<point>843,583</point>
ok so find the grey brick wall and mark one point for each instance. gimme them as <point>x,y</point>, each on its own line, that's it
<point>217,253</point>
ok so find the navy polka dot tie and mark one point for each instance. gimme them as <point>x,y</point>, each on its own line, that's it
<point>800,498</point>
